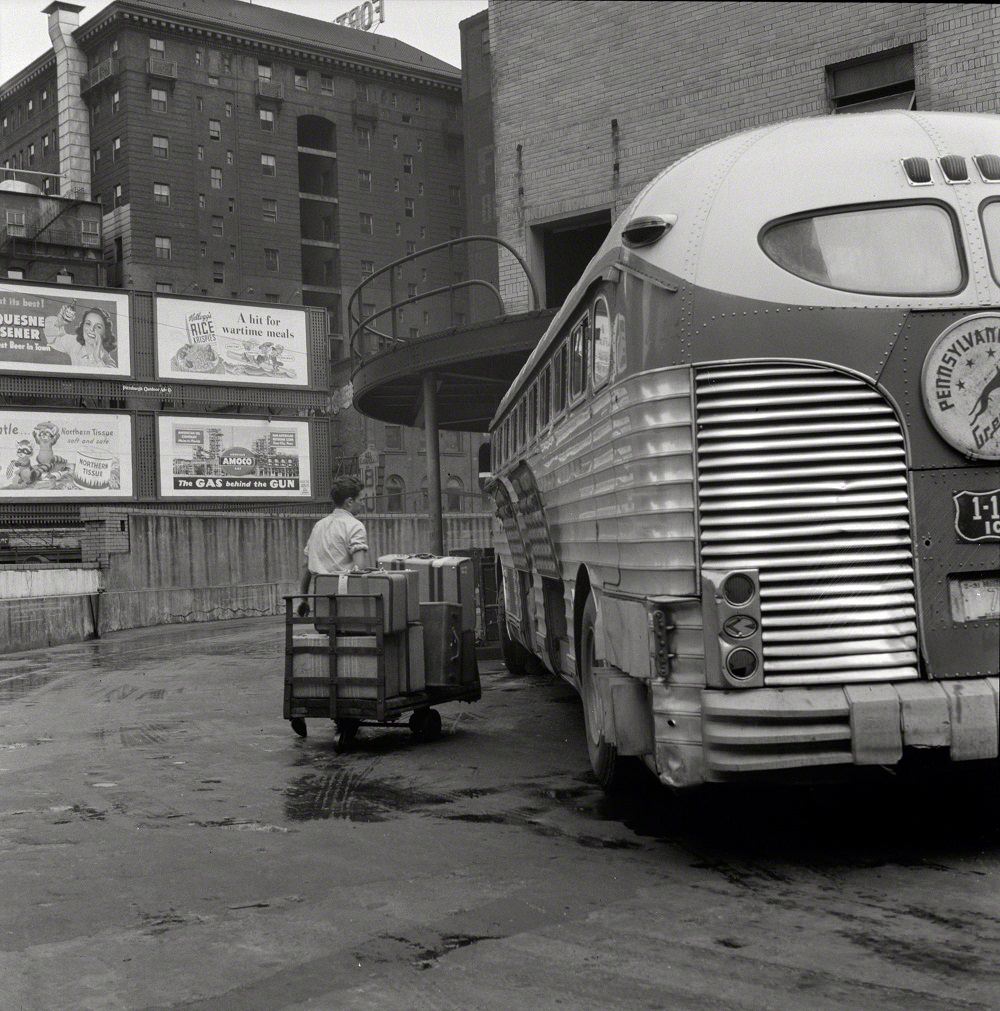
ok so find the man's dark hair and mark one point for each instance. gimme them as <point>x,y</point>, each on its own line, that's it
<point>344,488</point>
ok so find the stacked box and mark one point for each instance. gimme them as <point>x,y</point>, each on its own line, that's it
<point>444,579</point>
<point>398,606</point>
<point>442,644</point>
<point>311,671</point>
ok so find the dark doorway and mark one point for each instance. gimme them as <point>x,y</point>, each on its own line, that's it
<point>568,246</point>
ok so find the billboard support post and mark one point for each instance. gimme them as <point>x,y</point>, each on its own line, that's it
<point>433,463</point>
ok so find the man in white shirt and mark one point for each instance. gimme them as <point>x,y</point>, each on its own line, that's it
<point>339,541</point>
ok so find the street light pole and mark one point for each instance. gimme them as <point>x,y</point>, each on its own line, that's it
<point>433,462</point>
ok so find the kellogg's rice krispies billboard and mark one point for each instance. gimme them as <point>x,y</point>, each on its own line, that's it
<point>234,343</point>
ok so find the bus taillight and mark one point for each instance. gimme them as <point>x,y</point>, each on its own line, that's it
<point>733,645</point>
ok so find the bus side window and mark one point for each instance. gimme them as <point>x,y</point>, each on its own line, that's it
<point>520,424</point>
<point>505,441</point>
<point>578,359</point>
<point>602,343</point>
<point>559,381</point>
<point>532,411</point>
<point>544,397</point>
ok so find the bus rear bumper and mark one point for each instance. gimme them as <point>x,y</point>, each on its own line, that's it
<point>767,730</point>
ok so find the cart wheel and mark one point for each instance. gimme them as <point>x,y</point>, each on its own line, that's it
<point>299,725</point>
<point>347,731</point>
<point>425,724</point>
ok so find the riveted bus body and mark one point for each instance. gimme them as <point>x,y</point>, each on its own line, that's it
<point>747,485</point>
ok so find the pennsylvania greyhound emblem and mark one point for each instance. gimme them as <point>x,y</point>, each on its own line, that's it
<point>961,386</point>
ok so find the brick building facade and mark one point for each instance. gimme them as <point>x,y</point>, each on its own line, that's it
<point>247,153</point>
<point>639,85</point>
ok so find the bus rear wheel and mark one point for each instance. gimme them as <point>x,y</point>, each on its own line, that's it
<point>612,771</point>
<point>515,657</point>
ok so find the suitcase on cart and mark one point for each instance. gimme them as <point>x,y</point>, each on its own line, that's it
<point>443,578</point>
<point>442,644</point>
<point>392,587</point>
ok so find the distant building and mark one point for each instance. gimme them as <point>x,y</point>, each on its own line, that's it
<point>241,152</point>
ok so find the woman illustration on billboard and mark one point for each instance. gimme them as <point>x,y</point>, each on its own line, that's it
<point>97,345</point>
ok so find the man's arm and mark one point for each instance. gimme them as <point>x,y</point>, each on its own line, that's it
<point>306,580</point>
<point>360,558</point>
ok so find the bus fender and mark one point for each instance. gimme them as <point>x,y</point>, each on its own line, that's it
<point>627,714</point>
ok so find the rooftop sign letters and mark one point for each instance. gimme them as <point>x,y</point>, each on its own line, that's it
<point>961,386</point>
<point>362,17</point>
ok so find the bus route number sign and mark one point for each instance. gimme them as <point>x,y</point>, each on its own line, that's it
<point>977,515</point>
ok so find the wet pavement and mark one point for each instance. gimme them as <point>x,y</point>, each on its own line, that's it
<point>166,841</point>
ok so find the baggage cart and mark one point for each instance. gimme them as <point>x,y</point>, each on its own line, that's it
<point>352,701</point>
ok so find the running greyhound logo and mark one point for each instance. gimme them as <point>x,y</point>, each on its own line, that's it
<point>982,405</point>
<point>961,386</point>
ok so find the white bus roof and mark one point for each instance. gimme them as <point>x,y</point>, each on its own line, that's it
<point>723,194</point>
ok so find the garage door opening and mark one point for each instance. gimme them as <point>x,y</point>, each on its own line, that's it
<point>566,248</point>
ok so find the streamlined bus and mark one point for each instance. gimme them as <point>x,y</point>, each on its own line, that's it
<point>747,490</point>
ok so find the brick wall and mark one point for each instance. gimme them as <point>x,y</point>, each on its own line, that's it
<point>676,76</point>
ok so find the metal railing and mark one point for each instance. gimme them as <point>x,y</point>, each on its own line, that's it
<point>105,69</point>
<point>361,326</point>
<point>161,68</point>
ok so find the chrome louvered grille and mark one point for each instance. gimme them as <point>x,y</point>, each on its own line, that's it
<point>802,476</point>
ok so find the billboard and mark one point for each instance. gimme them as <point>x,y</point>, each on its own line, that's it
<point>64,331</point>
<point>66,455</point>
<point>233,457</point>
<point>234,343</point>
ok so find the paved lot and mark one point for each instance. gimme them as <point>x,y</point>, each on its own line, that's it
<point>168,842</point>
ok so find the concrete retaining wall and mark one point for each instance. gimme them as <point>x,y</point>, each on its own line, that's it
<point>190,566</point>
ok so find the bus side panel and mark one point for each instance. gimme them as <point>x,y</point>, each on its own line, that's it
<point>654,465</point>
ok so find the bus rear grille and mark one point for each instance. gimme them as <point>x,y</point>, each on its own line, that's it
<point>802,476</point>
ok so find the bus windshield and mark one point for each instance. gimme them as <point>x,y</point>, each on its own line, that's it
<point>907,249</point>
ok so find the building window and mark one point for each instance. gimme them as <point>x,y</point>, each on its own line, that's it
<point>229,110</point>
<point>270,259</point>
<point>267,120</point>
<point>157,100</point>
<point>408,207</point>
<point>395,493</point>
<point>395,185</point>
<point>263,71</point>
<point>420,189</point>
<point>395,140</point>
<point>201,200</point>
<point>361,91</point>
<point>407,164</point>
<point>455,195</point>
<point>399,228</point>
<point>15,273</point>
<point>367,222</point>
<point>301,80</point>
<point>215,177</point>
<point>164,288</point>
<point>201,152</point>
<point>116,148</point>
<point>197,57</point>
<point>393,436</point>
<point>161,147</point>
<point>484,41</point>
<point>418,105</point>
<point>231,204</point>
<point>367,268</point>
<point>218,226</point>
<point>157,48</point>
<point>232,251</point>
<point>454,490</point>
<point>213,81</point>
<point>203,248</point>
<point>227,63</point>
<point>326,84</point>
<point>162,247</point>
<point>269,209</point>
<point>365,180</point>
<point>31,154</point>
<point>45,96</point>
<point>411,291</point>
<point>214,129</point>
<point>885,81</point>
<point>218,272</point>
<point>95,158</point>
<point>201,104</point>
<point>45,145</point>
<point>364,137</point>
<point>229,157</point>
<point>116,101</point>
<point>119,195</point>
<point>268,166</point>
<point>420,145</point>
<point>161,194</point>
<point>411,247</point>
